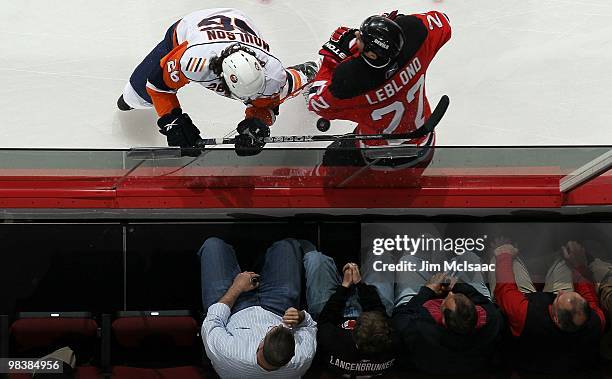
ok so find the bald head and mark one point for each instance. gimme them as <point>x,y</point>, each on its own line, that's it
<point>571,311</point>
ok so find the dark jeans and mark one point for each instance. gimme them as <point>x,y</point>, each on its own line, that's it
<point>280,283</point>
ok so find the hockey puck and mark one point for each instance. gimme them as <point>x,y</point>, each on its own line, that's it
<point>323,124</point>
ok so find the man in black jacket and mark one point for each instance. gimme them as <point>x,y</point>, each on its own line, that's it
<point>447,327</point>
<point>354,336</point>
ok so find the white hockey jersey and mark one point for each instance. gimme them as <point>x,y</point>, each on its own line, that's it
<point>204,34</point>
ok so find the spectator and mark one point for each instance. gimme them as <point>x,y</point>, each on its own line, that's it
<point>557,330</point>
<point>449,327</point>
<point>605,299</point>
<point>355,336</point>
<point>602,275</point>
<point>253,327</point>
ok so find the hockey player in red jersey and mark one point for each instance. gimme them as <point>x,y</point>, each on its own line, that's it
<point>223,51</point>
<point>375,76</point>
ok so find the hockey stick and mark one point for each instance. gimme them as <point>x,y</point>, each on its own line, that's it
<point>427,128</point>
<point>147,153</point>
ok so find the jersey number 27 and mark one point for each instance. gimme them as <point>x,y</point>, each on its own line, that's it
<point>398,108</point>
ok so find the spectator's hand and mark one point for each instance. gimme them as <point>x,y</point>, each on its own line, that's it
<point>503,245</point>
<point>574,254</point>
<point>244,282</point>
<point>356,274</point>
<point>293,317</point>
<point>441,283</point>
<point>347,275</point>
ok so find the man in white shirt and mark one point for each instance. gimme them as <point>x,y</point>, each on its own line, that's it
<point>253,328</point>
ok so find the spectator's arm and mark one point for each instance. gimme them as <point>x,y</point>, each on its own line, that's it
<point>512,302</point>
<point>581,273</point>
<point>230,297</point>
<point>306,344</point>
<point>369,299</point>
<point>243,282</point>
<point>586,289</point>
<point>605,294</point>
<point>308,322</point>
<point>405,315</point>
<point>215,336</point>
<point>425,294</point>
<point>417,301</point>
<point>333,311</point>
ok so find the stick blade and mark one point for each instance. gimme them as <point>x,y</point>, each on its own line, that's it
<point>439,111</point>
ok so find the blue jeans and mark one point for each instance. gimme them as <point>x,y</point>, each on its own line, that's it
<point>408,284</point>
<point>280,283</point>
<point>322,279</point>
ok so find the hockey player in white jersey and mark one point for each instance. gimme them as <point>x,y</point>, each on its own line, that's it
<point>223,51</point>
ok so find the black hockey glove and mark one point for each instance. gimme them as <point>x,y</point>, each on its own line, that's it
<point>180,131</point>
<point>251,132</point>
<point>341,44</point>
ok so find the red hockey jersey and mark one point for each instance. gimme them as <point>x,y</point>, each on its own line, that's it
<point>390,100</point>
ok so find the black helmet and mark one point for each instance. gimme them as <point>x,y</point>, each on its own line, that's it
<point>383,37</point>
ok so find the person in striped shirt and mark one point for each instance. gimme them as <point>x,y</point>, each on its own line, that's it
<point>253,326</point>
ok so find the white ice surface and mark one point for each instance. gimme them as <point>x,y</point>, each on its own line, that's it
<point>519,72</point>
